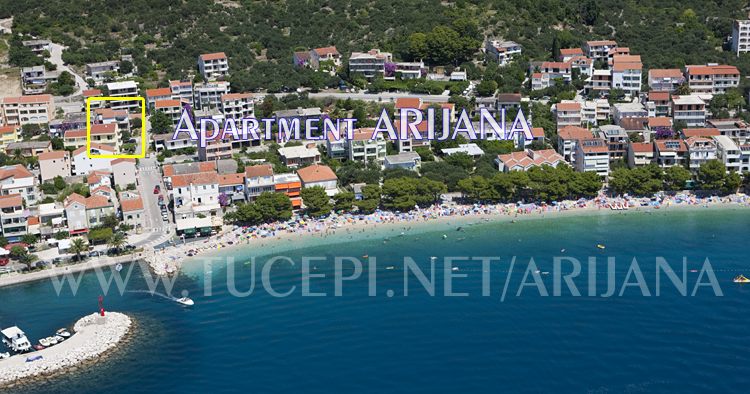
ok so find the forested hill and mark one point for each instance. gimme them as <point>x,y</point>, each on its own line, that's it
<point>260,36</point>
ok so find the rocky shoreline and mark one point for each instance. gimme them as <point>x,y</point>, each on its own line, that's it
<point>93,337</point>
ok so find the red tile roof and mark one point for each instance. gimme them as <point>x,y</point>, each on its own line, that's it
<point>11,200</point>
<point>75,133</point>
<point>99,128</point>
<point>571,51</point>
<point>167,103</point>
<point>201,178</point>
<point>660,121</point>
<point>326,51</point>
<point>408,102</point>
<point>658,96</point>
<point>53,155</point>
<point>158,92</point>
<point>568,106</point>
<point>642,147</point>
<point>712,70</point>
<point>213,56</point>
<point>316,173</point>
<point>132,204</point>
<point>259,171</point>
<point>701,132</point>
<point>574,133</point>
<point>92,92</point>
<point>15,171</point>
<point>665,73</point>
<point>231,179</point>
<point>94,202</point>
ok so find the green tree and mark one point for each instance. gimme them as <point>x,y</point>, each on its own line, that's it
<point>78,246</point>
<point>116,241</point>
<point>676,177</point>
<point>711,175</point>
<point>317,203</point>
<point>370,199</point>
<point>274,206</point>
<point>161,123</point>
<point>343,201</point>
<point>486,88</point>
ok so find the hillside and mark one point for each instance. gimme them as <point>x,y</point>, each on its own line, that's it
<point>260,36</point>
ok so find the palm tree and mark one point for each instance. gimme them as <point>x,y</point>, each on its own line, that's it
<point>116,241</point>
<point>78,246</point>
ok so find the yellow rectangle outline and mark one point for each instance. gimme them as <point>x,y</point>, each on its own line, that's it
<point>143,128</point>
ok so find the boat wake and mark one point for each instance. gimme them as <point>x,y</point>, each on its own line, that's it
<point>153,293</point>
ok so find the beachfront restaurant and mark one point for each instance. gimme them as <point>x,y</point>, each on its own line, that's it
<point>194,227</point>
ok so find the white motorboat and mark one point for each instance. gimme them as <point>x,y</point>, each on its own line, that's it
<point>16,339</point>
<point>5,355</point>
<point>59,338</point>
<point>44,342</point>
<point>52,341</point>
<point>185,301</point>
<point>63,332</point>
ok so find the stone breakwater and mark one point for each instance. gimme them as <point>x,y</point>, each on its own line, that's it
<point>93,336</point>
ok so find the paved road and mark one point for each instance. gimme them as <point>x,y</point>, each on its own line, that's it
<point>56,58</point>
<point>150,176</point>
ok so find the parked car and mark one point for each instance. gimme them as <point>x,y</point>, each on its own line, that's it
<point>157,189</point>
<point>95,253</point>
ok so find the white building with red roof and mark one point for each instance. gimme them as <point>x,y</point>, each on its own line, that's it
<point>319,175</point>
<point>324,54</point>
<point>640,154</point>
<point>23,110</point>
<point>53,164</point>
<point>213,66</point>
<point>665,79</point>
<point>82,164</point>
<point>16,179</point>
<point>132,211</point>
<point>527,159</point>
<point>712,78</point>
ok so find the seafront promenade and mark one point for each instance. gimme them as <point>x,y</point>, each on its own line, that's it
<point>94,335</point>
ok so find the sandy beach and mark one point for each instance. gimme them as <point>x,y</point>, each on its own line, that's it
<point>285,236</point>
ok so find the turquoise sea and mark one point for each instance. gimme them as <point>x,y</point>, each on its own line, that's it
<point>527,343</point>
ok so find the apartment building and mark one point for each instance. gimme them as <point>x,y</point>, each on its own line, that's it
<point>34,80</point>
<point>410,70</point>
<point>700,150</point>
<point>741,36</point>
<point>362,148</point>
<point>557,71</point>
<point>208,94</point>
<point>592,155</point>
<point>712,78</point>
<point>689,109</point>
<point>258,179</point>
<point>20,111</point>
<point>165,141</point>
<point>671,152</point>
<point>568,114</point>
<point>584,65</point>
<point>37,46</point>
<point>13,221</point>
<point>124,89</point>
<point>53,164</point>
<point>599,83</point>
<point>171,108</point>
<point>154,95</point>
<point>133,213</point>
<point>16,179</point>
<point>237,106</point>
<point>502,51</point>
<point>617,141</point>
<point>194,194</point>
<point>567,140</point>
<point>626,74</point>
<point>213,66</point>
<point>106,134</point>
<point>665,79</point>
<point>528,159</point>
<point>599,50</point>
<point>369,63</point>
<point>660,102</point>
<point>290,185</point>
<point>640,154</point>
<point>216,149</point>
<point>729,153</point>
<point>735,129</point>
<point>319,175</point>
<point>295,156</point>
<point>8,135</point>
<point>28,148</point>
<point>324,54</point>
<point>407,160</point>
<point>182,90</point>
<point>82,164</point>
<point>232,186</point>
<point>566,54</point>
<point>102,70</point>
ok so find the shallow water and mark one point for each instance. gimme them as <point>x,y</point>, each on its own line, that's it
<point>424,343</point>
